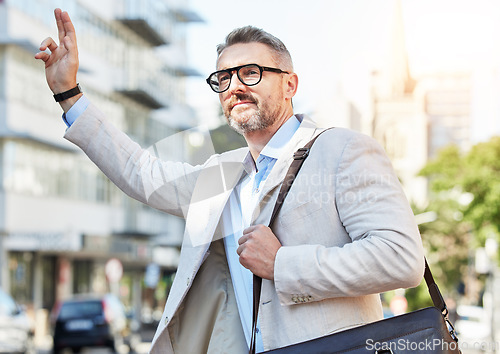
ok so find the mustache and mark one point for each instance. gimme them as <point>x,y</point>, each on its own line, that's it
<point>237,97</point>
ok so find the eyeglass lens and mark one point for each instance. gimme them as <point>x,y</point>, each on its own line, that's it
<point>248,74</point>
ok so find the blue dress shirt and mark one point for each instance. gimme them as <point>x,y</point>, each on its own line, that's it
<point>76,110</point>
<point>237,217</point>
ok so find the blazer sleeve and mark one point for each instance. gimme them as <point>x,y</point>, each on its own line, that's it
<point>164,185</point>
<point>383,250</point>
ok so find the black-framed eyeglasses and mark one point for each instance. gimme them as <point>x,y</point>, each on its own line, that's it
<point>249,74</point>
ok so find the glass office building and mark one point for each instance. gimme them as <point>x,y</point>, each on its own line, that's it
<point>61,220</point>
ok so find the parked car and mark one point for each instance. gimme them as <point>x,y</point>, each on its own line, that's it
<point>89,321</point>
<point>16,330</point>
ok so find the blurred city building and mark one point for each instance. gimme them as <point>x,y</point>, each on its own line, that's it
<point>413,116</point>
<point>398,120</point>
<point>61,220</point>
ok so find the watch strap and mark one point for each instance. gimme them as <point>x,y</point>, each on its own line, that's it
<point>68,94</point>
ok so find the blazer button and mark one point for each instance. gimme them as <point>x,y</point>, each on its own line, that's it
<point>294,299</point>
<point>166,320</point>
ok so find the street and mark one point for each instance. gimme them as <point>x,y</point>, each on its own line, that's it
<point>140,344</point>
<point>45,347</point>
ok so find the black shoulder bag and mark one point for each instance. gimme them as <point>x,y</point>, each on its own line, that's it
<point>426,330</point>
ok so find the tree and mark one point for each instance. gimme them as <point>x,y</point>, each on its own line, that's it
<point>474,180</point>
<point>447,242</point>
<point>465,195</point>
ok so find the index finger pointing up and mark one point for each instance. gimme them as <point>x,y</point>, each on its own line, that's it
<point>68,26</point>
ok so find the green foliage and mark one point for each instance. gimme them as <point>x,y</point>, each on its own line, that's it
<point>446,241</point>
<point>444,169</point>
<point>418,297</point>
<point>476,173</point>
<point>465,195</point>
<point>483,181</point>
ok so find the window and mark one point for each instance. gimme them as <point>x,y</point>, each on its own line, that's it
<point>38,170</point>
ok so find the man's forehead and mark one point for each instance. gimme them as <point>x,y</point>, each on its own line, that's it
<point>245,53</point>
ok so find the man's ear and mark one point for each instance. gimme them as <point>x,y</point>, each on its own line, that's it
<point>291,83</point>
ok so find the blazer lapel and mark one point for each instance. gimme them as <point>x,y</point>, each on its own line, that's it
<point>212,190</point>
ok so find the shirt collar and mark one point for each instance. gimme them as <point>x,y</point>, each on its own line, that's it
<point>275,146</point>
<point>278,141</point>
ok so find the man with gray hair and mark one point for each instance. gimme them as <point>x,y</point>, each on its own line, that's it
<point>344,234</point>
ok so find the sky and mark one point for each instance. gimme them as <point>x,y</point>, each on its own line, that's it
<point>335,44</point>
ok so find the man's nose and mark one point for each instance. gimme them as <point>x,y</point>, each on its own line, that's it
<point>236,85</point>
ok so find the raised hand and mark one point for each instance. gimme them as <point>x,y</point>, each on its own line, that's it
<point>61,65</point>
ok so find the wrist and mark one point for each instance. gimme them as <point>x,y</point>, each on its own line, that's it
<point>66,94</point>
<point>68,103</point>
<point>58,87</point>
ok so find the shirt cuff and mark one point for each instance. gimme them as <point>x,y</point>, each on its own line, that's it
<point>75,111</point>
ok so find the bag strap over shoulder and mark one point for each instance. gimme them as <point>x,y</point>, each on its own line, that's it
<point>298,159</point>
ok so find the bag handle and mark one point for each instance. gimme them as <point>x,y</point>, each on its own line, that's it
<point>298,159</point>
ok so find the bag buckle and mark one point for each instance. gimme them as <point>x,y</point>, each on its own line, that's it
<point>451,329</point>
<point>301,153</point>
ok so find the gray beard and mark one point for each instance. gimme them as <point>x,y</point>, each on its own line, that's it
<point>257,121</point>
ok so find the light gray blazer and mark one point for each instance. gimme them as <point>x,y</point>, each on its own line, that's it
<point>346,228</point>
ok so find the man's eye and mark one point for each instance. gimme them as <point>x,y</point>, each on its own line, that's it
<point>251,72</point>
<point>223,78</point>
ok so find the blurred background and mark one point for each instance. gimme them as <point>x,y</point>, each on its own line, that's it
<point>421,77</point>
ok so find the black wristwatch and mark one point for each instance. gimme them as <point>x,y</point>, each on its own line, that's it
<point>68,94</point>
